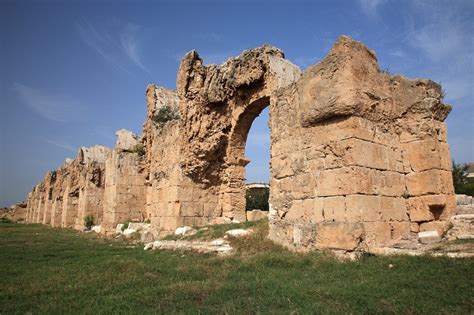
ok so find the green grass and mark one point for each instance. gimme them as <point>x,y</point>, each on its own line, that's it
<point>46,270</point>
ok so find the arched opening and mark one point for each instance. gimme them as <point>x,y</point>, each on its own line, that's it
<point>233,197</point>
<point>257,171</point>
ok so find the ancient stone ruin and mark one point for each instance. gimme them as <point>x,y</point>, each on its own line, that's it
<point>359,157</point>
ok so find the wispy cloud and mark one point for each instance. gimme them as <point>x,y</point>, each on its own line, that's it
<point>369,7</point>
<point>398,53</point>
<point>53,107</point>
<point>60,144</point>
<point>445,38</point>
<point>129,43</point>
<point>118,46</point>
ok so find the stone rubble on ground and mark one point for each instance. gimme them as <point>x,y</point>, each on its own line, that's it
<point>129,232</point>
<point>218,246</point>
<point>96,228</point>
<point>237,232</point>
<point>184,230</point>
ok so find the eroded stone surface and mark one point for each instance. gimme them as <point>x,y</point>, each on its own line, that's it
<point>359,158</point>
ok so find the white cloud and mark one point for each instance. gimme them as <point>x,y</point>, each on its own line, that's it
<point>398,53</point>
<point>445,38</point>
<point>369,7</point>
<point>117,46</point>
<point>55,108</point>
<point>60,144</point>
<point>128,41</point>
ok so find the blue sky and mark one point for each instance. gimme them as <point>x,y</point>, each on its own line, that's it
<point>74,72</point>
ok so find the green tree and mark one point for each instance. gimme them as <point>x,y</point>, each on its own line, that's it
<point>462,184</point>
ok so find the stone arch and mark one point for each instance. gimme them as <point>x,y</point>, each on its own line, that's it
<point>218,105</point>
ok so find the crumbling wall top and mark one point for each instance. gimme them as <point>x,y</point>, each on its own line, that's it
<point>349,82</point>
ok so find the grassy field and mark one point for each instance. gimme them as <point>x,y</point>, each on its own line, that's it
<point>46,270</point>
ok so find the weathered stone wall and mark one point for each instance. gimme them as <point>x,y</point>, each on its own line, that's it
<point>218,105</point>
<point>359,157</point>
<point>92,184</point>
<point>125,190</point>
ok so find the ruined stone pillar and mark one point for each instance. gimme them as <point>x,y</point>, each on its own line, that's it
<point>125,190</point>
<point>91,184</point>
<point>359,157</point>
<point>56,211</point>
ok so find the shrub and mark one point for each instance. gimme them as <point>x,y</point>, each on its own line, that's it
<point>5,220</point>
<point>165,114</point>
<point>138,149</point>
<point>88,221</point>
<point>257,199</point>
<point>125,226</point>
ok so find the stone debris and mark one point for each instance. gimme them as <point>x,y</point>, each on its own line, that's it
<point>147,237</point>
<point>96,228</point>
<point>184,230</point>
<point>118,229</point>
<point>429,237</point>
<point>462,227</point>
<point>148,246</point>
<point>129,232</point>
<point>139,226</point>
<point>237,232</point>
<point>464,200</point>
<point>219,246</point>
<point>221,220</point>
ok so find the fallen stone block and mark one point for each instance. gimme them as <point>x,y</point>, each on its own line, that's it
<point>429,237</point>
<point>139,226</point>
<point>147,237</point>
<point>118,229</point>
<point>237,232</point>
<point>96,228</point>
<point>218,242</point>
<point>148,246</point>
<point>129,232</point>
<point>184,230</point>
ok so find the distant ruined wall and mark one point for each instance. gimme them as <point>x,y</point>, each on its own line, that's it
<point>359,158</point>
<point>125,190</point>
<point>92,184</point>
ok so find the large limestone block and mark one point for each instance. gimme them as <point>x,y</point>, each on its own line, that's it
<point>377,233</point>
<point>357,152</point>
<point>427,155</point>
<point>429,182</point>
<point>256,215</point>
<point>439,226</point>
<point>97,153</point>
<point>359,180</point>
<point>334,209</point>
<point>308,210</point>
<point>126,140</point>
<point>372,208</point>
<point>430,207</point>
<point>429,237</point>
<point>336,235</point>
